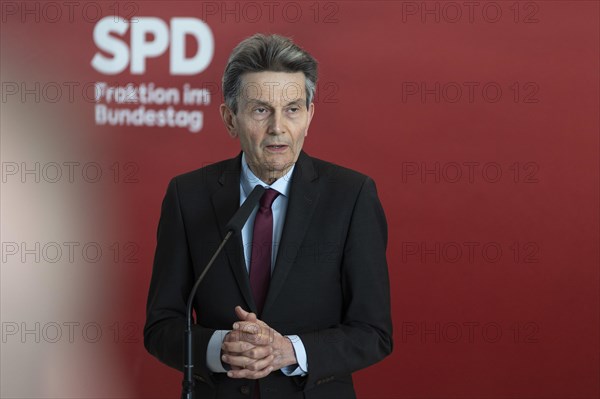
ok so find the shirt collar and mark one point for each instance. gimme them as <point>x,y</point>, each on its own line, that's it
<point>249,180</point>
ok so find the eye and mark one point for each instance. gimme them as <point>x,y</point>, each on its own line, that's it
<point>260,110</point>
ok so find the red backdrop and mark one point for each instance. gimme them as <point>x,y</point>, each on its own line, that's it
<point>478,121</point>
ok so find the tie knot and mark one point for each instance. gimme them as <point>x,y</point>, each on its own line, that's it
<point>268,197</point>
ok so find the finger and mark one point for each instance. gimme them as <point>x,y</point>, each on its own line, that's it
<point>233,336</point>
<point>254,370</point>
<point>250,317</point>
<point>250,357</point>
<point>247,327</point>
<point>236,360</point>
<point>259,352</point>
<point>238,336</point>
<point>249,374</point>
<point>237,346</point>
<point>248,363</point>
<point>251,327</point>
<point>254,334</point>
<point>243,315</point>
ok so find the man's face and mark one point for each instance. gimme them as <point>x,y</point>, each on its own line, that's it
<point>271,121</point>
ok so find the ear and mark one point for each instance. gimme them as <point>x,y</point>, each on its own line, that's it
<point>311,112</point>
<point>228,120</point>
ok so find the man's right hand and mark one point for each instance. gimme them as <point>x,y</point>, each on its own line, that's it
<point>253,349</point>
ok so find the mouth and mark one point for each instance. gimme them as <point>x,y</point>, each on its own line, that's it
<point>277,147</point>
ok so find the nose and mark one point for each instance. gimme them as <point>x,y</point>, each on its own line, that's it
<point>276,123</point>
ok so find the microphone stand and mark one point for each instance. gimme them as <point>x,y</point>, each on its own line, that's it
<point>188,383</point>
<point>235,225</point>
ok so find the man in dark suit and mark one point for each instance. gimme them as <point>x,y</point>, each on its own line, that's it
<point>301,298</point>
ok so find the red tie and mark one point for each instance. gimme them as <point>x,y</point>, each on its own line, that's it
<point>262,242</point>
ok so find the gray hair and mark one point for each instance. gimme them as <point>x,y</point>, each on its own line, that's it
<point>267,53</point>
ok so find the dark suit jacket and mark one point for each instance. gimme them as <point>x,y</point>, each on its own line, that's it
<point>329,285</point>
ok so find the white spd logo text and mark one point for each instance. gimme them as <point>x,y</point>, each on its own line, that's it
<point>150,37</point>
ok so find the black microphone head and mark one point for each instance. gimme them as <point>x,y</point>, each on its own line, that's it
<point>239,219</point>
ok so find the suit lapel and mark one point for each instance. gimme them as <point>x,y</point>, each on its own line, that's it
<point>301,206</point>
<point>226,202</point>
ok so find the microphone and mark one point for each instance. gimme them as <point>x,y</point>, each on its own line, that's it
<point>235,225</point>
<point>239,219</point>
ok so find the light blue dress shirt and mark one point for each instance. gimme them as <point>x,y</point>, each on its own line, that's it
<point>247,182</point>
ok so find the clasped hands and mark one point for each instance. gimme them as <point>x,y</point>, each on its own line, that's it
<point>253,349</point>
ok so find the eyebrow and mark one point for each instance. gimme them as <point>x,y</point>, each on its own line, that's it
<point>266,104</point>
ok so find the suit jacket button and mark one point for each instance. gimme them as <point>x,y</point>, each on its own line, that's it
<point>245,390</point>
